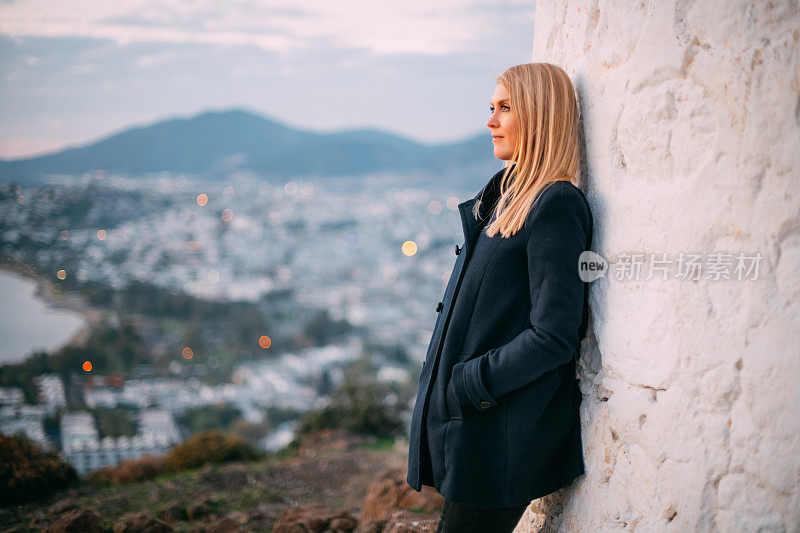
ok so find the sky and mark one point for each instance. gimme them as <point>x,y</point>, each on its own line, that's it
<point>74,71</point>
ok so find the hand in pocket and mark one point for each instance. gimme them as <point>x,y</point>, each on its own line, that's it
<point>452,401</point>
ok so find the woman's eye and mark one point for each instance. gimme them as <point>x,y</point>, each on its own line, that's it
<point>506,107</point>
<point>491,109</point>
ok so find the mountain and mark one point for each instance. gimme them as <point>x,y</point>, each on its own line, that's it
<point>214,143</point>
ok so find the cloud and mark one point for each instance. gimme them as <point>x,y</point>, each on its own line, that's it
<point>379,27</point>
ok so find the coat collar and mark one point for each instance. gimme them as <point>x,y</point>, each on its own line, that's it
<point>488,195</point>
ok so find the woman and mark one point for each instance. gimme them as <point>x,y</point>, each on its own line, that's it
<point>496,422</point>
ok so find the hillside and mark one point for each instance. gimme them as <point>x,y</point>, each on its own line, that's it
<point>332,476</point>
<point>215,143</point>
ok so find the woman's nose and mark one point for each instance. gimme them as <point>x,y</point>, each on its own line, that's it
<point>492,123</point>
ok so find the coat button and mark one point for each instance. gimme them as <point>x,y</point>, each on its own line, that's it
<point>458,250</point>
<point>439,307</point>
<point>485,405</point>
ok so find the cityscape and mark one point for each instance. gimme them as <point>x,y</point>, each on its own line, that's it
<point>371,255</point>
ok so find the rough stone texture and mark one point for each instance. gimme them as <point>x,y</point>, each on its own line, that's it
<point>691,123</point>
<point>314,517</point>
<point>390,492</point>
<point>407,522</point>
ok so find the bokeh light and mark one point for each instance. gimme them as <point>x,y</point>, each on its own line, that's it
<point>101,234</point>
<point>202,199</point>
<point>227,215</point>
<point>61,274</point>
<point>264,341</point>
<point>409,248</point>
<point>228,192</point>
<point>187,353</point>
<point>434,207</point>
<point>87,366</point>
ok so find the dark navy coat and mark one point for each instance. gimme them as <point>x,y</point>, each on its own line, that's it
<point>496,420</point>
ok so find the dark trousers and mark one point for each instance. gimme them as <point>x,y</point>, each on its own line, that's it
<point>458,518</point>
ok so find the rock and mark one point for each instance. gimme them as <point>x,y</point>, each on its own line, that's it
<point>427,501</point>
<point>343,524</point>
<point>78,520</point>
<point>407,522</point>
<point>370,526</point>
<point>390,492</point>
<point>140,522</point>
<point>313,517</point>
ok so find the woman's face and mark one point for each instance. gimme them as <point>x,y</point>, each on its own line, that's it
<point>502,124</point>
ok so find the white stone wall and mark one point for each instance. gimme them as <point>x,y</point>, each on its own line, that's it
<point>691,414</point>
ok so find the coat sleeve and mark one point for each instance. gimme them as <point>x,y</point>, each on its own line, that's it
<point>560,231</point>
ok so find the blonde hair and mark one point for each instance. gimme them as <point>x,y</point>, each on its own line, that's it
<point>545,108</point>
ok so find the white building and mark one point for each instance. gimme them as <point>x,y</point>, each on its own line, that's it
<point>101,397</point>
<point>87,456</point>
<point>77,428</point>
<point>50,390</point>
<point>83,448</point>
<point>159,424</point>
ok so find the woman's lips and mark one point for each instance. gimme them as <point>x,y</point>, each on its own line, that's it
<point>495,137</point>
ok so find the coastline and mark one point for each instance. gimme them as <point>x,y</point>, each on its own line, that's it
<point>53,298</point>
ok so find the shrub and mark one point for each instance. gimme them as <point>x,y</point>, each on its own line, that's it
<point>141,468</point>
<point>29,472</point>
<point>219,416</point>
<point>211,446</point>
<point>360,406</point>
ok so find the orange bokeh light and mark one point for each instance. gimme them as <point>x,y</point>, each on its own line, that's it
<point>264,341</point>
<point>202,199</point>
<point>187,353</point>
<point>87,365</point>
<point>409,248</point>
